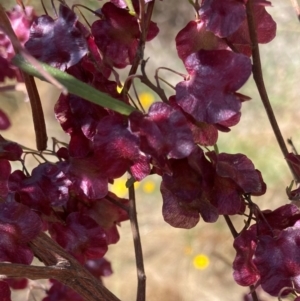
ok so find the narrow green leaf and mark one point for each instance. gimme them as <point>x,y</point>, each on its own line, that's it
<point>76,87</point>
<point>216,149</point>
<point>130,7</point>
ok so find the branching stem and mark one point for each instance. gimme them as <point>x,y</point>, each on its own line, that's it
<point>59,265</point>
<point>146,19</point>
<point>144,79</point>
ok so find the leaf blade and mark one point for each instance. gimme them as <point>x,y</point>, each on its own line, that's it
<point>75,86</point>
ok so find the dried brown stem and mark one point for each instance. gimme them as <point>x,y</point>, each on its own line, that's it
<point>167,83</point>
<point>157,78</point>
<point>144,79</point>
<point>60,266</point>
<point>5,26</point>
<point>145,22</point>
<point>7,88</point>
<point>37,113</point>
<point>290,142</point>
<point>73,274</point>
<point>142,20</point>
<point>118,204</point>
<point>141,289</point>
<point>36,107</point>
<point>230,226</point>
<point>259,81</point>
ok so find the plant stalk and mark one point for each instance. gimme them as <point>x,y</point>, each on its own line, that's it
<point>141,288</point>
<point>259,81</point>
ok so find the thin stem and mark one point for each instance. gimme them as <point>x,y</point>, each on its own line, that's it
<point>66,269</point>
<point>142,20</point>
<point>231,226</point>
<point>235,234</point>
<point>253,293</point>
<point>54,9</point>
<point>248,221</point>
<point>44,7</point>
<point>8,88</point>
<point>82,15</point>
<point>56,142</point>
<point>88,9</point>
<point>130,78</point>
<point>144,79</point>
<point>20,2</point>
<point>141,289</point>
<point>291,290</point>
<point>232,47</point>
<point>168,69</point>
<point>259,81</point>
<point>61,266</point>
<point>290,142</point>
<point>132,101</point>
<point>171,70</point>
<point>140,52</point>
<point>137,98</point>
<point>116,203</point>
<point>167,83</point>
<point>37,113</point>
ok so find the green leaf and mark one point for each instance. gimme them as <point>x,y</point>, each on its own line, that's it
<point>130,7</point>
<point>75,86</point>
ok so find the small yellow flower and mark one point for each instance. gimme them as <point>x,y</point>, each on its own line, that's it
<point>201,261</point>
<point>148,186</point>
<point>119,187</point>
<point>119,89</point>
<point>146,99</point>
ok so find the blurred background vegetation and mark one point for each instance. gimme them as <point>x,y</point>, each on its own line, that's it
<point>189,265</point>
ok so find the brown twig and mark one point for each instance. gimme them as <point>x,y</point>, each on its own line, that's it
<point>7,88</point>
<point>167,83</point>
<point>30,271</point>
<point>118,204</point>
<point>168,69</point>
<point>259,81</point>
<point>144,79</point>
<point>141,288</point>
<point>131,79</point>
<point>61,266</point>
<point>290,142</point>
<point>144,26</point>
<point>36,107</point>
<point>230,226</point>
<point>142,23</point>
<point>37,112</point>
